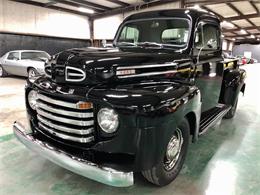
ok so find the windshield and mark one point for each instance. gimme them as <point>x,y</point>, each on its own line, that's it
<point>34,55</point>
<point>172,32</point>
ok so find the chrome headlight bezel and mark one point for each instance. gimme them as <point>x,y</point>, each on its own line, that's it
<point>32,98</point>
<point>108,120</point>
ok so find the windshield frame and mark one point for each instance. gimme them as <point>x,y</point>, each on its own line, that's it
<point>168,46</point>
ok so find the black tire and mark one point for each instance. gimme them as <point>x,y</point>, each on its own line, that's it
<point>3,73</point>
<point>161,176</point>
<point>230,100</point>
<point>32,72</point>
<point>231,113</point>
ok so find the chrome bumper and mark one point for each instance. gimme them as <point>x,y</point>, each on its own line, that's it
<point>82,167</point>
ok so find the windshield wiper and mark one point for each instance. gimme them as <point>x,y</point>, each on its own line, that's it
<point>150,44</point>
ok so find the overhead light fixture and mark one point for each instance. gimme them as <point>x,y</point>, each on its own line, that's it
<point>242,31</point>
<point>222,36</point>
<point>252,36</point>
<point>258,39</point>
<point>196,6</point>
<point>86,10</point>
<point>226,24</point>
<point>233,39</point>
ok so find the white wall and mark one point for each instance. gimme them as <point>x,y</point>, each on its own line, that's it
<point>28,19</point>
<point>105,28</point>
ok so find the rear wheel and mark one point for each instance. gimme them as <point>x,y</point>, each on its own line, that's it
<point>231,113</point>
<point>229,100</point>
<point>170,165</point>
<point>32,72</point>
<point>3,73</point>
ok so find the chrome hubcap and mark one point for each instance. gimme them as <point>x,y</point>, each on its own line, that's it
<point>173,150</point>
<point>1,71</point>
<point>32,73</point>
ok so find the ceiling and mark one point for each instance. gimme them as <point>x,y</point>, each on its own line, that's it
<point>98,7</point>
<point>240,18</point>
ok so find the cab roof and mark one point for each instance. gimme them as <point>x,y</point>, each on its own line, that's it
<point>178,13</point>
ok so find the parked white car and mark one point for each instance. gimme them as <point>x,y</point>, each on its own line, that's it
<point>23,63</point>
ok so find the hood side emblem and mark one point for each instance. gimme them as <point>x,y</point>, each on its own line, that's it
<point>73,74</point>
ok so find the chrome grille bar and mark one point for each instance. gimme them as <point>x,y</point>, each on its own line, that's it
<point>67,137</point>
<point>65,129</point>
<point>64,120</point>
<point>64,112</point>
<point>57,102</point>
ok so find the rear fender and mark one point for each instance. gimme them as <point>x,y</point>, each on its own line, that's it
<point>233,82</point>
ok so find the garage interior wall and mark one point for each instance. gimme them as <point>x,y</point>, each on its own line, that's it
<point>31,26</point>
<point>105,28</point>
<point>254,49</point>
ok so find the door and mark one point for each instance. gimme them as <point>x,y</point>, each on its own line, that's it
<point>209,66</point>
<point>12,63</point>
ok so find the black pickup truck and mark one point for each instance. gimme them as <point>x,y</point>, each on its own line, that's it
<point>106,113</point>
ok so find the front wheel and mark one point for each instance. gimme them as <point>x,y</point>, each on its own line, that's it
<point>3,73</point>
<point>32,72</point>
<point>171,163</point>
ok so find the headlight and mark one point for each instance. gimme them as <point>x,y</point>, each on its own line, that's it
<point>108,120</point>
<point>32,97</point>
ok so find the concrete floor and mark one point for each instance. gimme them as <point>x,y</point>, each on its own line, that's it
<point>225,161</point>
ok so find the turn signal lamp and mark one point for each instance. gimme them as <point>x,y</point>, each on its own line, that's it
<point>84,105</point>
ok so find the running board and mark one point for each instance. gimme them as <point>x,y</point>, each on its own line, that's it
<point>212,116</point>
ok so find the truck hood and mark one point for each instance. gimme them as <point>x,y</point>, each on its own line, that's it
<point>108,64</point>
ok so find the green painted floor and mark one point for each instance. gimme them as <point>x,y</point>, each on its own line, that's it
<point>225,161</point>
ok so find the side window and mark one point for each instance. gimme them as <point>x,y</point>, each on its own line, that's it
<point>129,34</point>
<point>13,56</point>
<point>208,37</point>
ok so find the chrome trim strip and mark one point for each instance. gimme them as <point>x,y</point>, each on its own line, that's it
<point>146,66</point>
<point>65,129</point>
<point>77,165</point>
<point>67,137</point>
<point>67,74</point>
<point>74,74</point>
<point>58,102</point>
<point>64,120</point>
<point>148,74</point>
<point>64,112</point>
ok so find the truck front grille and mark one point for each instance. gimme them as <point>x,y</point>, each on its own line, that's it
<point>65,120</point>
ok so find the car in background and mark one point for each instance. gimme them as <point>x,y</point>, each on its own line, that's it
<point>226,55</point>
<point>26,63</point>
<point>244,60</point>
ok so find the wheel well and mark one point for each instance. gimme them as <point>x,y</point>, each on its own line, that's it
<point>28,68</point>
<point>191,117</point>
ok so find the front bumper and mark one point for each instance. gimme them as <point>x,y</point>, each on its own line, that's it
<point>80,166</point>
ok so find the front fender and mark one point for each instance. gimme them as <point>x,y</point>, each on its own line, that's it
<point>156,128</point>
<point>158,109</point>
